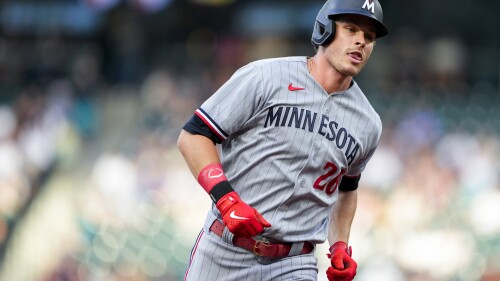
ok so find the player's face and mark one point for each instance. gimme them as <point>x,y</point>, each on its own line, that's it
<point>353,44</point>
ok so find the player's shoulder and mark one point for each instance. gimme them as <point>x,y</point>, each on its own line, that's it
<point>278,60</point>
<point>363,101</point>
<point>257,70</point>
<point>268,69</point>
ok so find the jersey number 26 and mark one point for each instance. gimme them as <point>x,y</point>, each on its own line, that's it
<point>329,186</point>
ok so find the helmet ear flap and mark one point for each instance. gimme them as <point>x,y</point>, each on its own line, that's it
<point>323,33</point>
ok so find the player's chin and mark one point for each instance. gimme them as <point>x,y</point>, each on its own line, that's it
<point>351,70</point>
<point>357,68</point>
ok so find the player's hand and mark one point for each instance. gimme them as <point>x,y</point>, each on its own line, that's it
<point>240,218</point>
<point>343,266</point>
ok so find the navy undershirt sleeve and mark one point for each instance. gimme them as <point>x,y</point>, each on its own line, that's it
<point>349,183</point>
<point>196,126</point>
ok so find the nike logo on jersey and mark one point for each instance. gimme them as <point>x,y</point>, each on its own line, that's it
<point>236,217</point>
<point>292,88</point>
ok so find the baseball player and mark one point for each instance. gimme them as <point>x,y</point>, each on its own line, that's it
<point>295,135</point>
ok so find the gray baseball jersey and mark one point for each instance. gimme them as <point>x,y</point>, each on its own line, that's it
<point>288,143</point>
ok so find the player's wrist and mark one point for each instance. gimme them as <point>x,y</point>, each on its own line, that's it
<point>214,181</point>
<point>222,192</point>
<point>227,201</point>
<point>340,246</point>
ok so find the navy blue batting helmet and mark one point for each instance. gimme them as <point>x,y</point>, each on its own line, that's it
<point>324,26</point>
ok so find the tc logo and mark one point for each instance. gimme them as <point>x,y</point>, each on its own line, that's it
<point>369,5</point>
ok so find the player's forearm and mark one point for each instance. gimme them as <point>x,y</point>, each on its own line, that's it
<point>198,151</point>
<point>342,216</point>
<point>204,162</point>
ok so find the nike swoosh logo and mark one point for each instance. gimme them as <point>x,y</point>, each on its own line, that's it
<point>236,217</point>
<point>292,88</point>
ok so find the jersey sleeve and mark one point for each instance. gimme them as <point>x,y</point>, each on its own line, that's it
<point>233,104</point>
<point>196,126</point>
<point>350,181</point>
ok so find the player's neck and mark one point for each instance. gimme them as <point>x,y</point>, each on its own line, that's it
<point>328,77</point>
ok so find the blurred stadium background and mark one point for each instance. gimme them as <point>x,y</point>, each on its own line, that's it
<point>93,94</point>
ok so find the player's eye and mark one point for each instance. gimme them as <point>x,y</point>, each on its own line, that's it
<point>369,37</point>
<point>350,29</point>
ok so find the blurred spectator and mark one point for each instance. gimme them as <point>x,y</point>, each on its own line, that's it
<point>445,59</point>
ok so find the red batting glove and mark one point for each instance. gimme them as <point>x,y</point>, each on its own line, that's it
<point>343,266</point>
<point>240,218</point>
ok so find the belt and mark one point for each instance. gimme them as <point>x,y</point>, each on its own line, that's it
<point>261,248</point>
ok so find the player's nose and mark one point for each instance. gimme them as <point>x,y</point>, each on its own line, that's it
<point>361,39</point>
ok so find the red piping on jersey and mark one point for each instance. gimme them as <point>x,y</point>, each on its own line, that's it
<point>209,124</point>
<point>195,247</point>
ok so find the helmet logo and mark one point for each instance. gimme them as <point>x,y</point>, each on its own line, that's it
<point>369,5</point>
